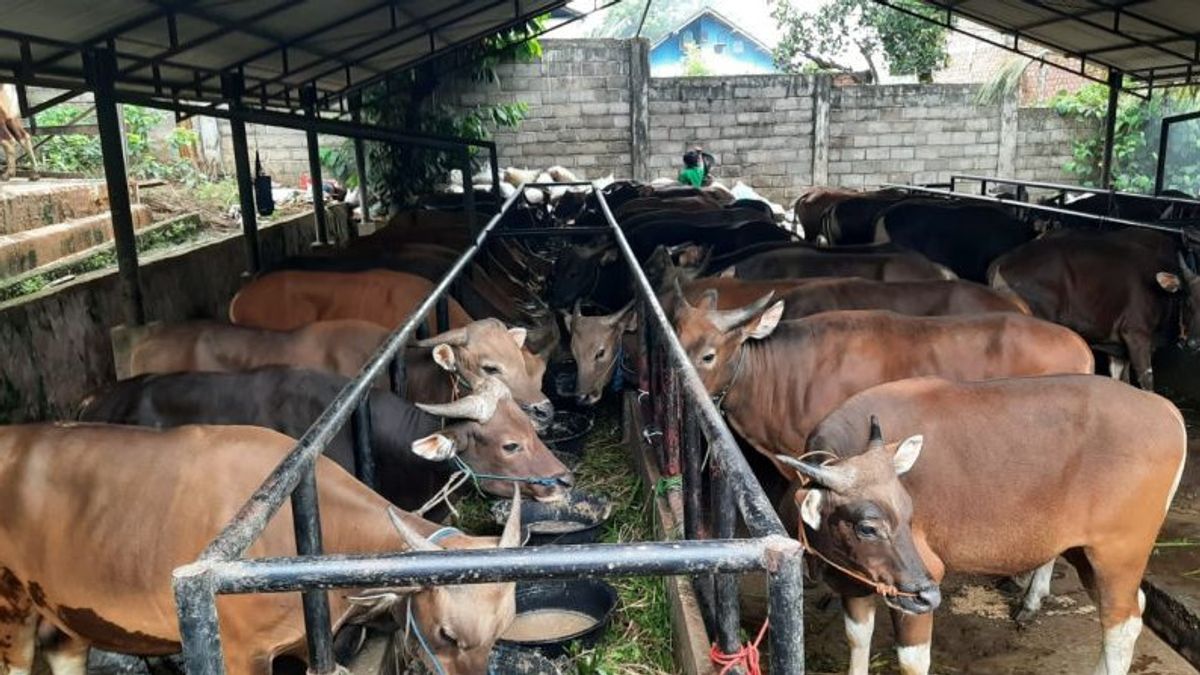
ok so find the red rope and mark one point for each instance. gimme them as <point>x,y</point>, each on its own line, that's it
<point>747,656</point>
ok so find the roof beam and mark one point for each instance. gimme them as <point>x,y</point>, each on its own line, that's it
<point>1099,26</point>
<point>1078,15</point>
<point>113,33</point>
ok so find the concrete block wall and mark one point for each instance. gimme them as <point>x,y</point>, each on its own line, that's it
<point>284,152</point>
<point>1044,140</point>
<point>909,134</point>
<point>579,107</point>
<point>759,127</point>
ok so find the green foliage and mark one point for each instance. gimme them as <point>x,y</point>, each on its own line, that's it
<point>79,153</point>
<point>622,19</point>
<point>911,45</point>
<point>1135,142</point>
<point>693,61</point>
<point>399,174</point>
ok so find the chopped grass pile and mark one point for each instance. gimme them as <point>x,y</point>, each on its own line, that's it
<point>638,641</point>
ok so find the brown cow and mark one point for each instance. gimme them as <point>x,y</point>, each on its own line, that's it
<point>774,391</point>
<point>135,532</point>
<point>814,202</point>
<point>800,261</point>
<point>595,339</point>
<point>289,299</point>
<point>481,348</point>
<point>1126,292</point>
<point>12,132</point>
<point>1090,467</point>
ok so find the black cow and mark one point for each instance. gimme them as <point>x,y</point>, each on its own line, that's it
<point>499,440</point>
<point>1125,291</point>
<point>964,237</point>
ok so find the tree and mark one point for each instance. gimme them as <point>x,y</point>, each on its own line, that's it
<point>622,19</point>
<point>911,45</point>
<point>693,61</point>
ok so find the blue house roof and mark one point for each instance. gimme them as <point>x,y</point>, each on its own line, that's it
<point>725,48</point>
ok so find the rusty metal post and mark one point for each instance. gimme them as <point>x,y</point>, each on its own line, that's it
<point>727,610</point>
<point>693,478</point>
<point>308,97</point>
<point>671,423</point>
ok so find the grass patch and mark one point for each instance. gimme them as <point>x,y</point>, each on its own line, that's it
<point>638,641</point>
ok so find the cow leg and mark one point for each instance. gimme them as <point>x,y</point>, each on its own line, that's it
<point>10,156</point>
<point>1139,347</point>
<point>67,655</point>
<point>1038,590</point>
<point>1118,576</point>
<point>18,632</point>
<point>859,615</point>
<point>1118,369</point>
<point>27,141</point>
<point>914,634</point>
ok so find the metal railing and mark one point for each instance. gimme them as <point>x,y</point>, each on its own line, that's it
<point>222,569</point>
<point>1062,188</point>
<point>1041,208</point>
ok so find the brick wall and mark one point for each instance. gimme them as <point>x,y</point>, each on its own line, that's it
<point>1044,140</point>
<point>284,152</point>
<point>909,134</point>
<point>758,126</point>
<point>776,133</point>
<point>578,96</point>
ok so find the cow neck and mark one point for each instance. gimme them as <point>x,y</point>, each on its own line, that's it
<point>719,397</point>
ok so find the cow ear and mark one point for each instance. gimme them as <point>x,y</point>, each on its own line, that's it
<point>766,323</point>
<point>518,336</point>
<point>434,447</point>
<point>444,356</point>
<point>708,300</point>
<point>810,509</point>
<point>566,317</point>
<point>1169,282</point>
<point>907,453</point>
<point>629,322</point>
<point>728,273</point>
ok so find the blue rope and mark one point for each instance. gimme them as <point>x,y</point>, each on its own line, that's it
<point>476,476</point>
<point>618,376</point>
<point>442,534</point>
<point>415,628</point>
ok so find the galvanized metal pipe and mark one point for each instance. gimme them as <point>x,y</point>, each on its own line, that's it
<point>306,521</point>
<point>693,482</point>
<point>437,568</point>
<point>199,631</point>
<point>360,431</point>
<point>728,607</point>
<point>785,608</point>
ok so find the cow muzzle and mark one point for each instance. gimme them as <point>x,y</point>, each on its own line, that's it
<point>541,414</point>
<point>917,600</point>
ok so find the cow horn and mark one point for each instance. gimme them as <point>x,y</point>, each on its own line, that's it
<point>1188,274</point>
<point>412,539</point>
<point>619,314</point>
<point>830,477</point>
<point>876,438</point>
<point>578,306</point>
<point>680,296</point>
<point>726,320</point>
<point>511,537</point>
<point>455,337</point>
<point>479,406</point>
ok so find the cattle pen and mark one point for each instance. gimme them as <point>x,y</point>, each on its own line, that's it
<point>221,570</point>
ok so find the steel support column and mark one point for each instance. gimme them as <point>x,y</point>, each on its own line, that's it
<point>360,430</point>
<point>469,191</point>
<point>309,96</point>
<point>306,520</point>
<point>1115,79</point>
<point>360,164</point>
<point>233,87</point>
<point>112,144</point>
<point>785,607</point>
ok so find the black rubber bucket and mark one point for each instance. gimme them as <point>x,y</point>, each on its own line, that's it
<point>576,612</point>
<point>509,659</point>
<point>559,382</point>
<point>578,519</point>
<point>567,433</point>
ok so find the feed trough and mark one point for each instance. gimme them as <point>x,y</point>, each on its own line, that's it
<point>555,616</point>
<point>567,432</point>
<point>578,519</point>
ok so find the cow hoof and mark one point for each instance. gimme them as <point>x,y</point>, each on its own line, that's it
<point>1023,616</point>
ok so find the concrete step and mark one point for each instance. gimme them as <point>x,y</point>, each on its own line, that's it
<point>28,205</point>
<point>30,249</point>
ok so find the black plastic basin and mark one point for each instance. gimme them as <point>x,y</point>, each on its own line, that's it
<point>561,605</point>
<point>578,519</point>
<point>509,659</point>
<point>567,432</point>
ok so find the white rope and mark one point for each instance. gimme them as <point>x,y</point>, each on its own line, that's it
<point>457,479</point>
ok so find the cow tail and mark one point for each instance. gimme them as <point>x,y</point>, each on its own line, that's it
<point>1000,285</point>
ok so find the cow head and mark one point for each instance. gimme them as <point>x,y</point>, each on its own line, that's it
<point>577,271</point>
<point>1186,283</point>
<point>489,349</point>
<point>596,346</point>
<point>454,626</point>
<point>495,437</point>
<point>858,515</point>
<point>713,338</point>
<point>663,271</point>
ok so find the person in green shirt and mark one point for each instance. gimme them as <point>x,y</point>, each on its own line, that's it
<point>694,172</point>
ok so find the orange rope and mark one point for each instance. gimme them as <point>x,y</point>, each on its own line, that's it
<point>747,656</point>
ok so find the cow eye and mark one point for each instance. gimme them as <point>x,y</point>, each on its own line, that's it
<point>599,354</point>
<point>491,370</point>
<point>512,447</point>
<point>709,357</point>
<point>867,531</point>
<point>447,637</point>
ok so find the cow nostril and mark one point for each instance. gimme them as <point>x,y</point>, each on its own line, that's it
<point>566,480</point>
<point>931,596</point>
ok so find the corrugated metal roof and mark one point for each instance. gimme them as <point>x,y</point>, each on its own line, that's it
<point>180,48</point>
<point>1154,42</point>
